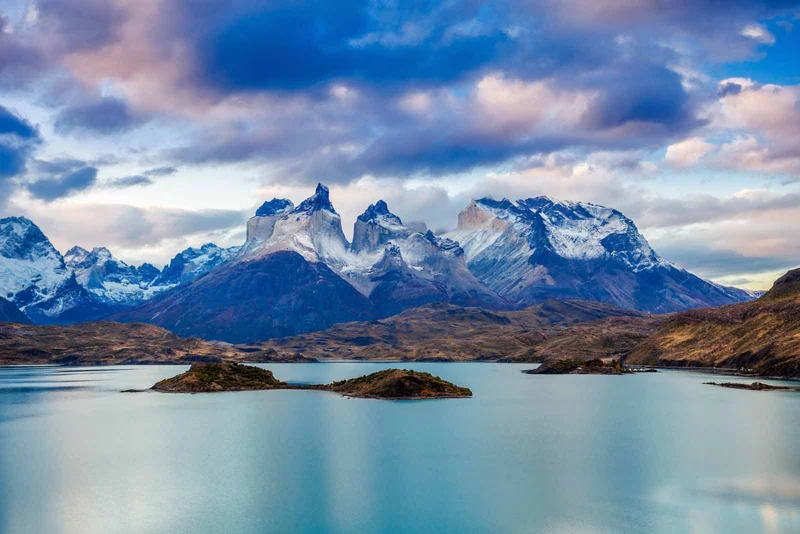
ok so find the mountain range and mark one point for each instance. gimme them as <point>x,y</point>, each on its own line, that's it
<point>297,272</point>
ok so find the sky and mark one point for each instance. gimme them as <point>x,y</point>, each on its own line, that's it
<point>147,126</point>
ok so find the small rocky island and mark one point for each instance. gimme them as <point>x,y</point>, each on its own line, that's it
<point>581,367</point>
<point>221,376</point>
<point>392,384</point>
<point>755,386</point>
<point>399,384</point>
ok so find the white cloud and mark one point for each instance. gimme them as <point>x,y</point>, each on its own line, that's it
<point>686,153</point>
<point>759,33</point>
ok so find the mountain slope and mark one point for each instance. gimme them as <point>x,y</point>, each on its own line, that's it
<point>10,314</point>
<point>245,301</point>
<point>762,336</point>
<point>536,248</point>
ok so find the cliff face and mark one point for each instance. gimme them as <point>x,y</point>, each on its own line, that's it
<point>762,337</point>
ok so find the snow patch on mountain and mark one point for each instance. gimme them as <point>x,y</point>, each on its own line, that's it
<point>111,280</point>
<point>31,269</point>
<point>193,263</point>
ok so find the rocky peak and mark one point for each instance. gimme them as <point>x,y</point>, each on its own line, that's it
<point>276,206</point>
<point>20,238</point>
<point>319,201</point>
<point>76,255</point>
<point>379,212</point>
<point>376,227</point>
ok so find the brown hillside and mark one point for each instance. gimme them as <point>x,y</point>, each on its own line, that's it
<point>760,337</point>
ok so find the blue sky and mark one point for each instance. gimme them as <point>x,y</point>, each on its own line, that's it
<point>147,126</point>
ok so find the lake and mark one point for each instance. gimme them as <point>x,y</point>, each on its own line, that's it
<point>657,452</point>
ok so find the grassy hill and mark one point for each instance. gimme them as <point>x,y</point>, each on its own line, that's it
<point>553,329</point>
<point>761,337</point>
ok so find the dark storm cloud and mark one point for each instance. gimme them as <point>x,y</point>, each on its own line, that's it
<point>50,189</point>
<point>106,115</point>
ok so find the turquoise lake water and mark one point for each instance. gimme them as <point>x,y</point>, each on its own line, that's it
<point>646,453</point>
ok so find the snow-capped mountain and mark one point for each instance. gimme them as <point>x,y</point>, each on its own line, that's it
<point>314,230</point>
<point>192,263</point>
<point>111,280</point>
<point>538,248</point>
<point>297,272</point>
<point>35,278</point>
<point>31,269</point>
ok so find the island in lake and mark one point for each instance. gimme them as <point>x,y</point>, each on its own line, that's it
<point>583,367</point>
<point>392,384</point>
<point>755,386</point>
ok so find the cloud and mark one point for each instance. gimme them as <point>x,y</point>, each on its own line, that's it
<point>128,181</point>
<point>50,189</point>
<point>686,153</point>
<point>80,25</point>
<point>759,33</point>
<point>18,140</point>
<point>106,115</point>
<point>160,171</point>
<point>10,124</point>
<point>314,42</point>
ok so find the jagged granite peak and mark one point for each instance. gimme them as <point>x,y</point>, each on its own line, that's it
<point>320,200</point>
<point>379,211</point>
<point>313,229</point>
<point>537,248</point>
<point>276,206</point>
<point>376,227</point>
